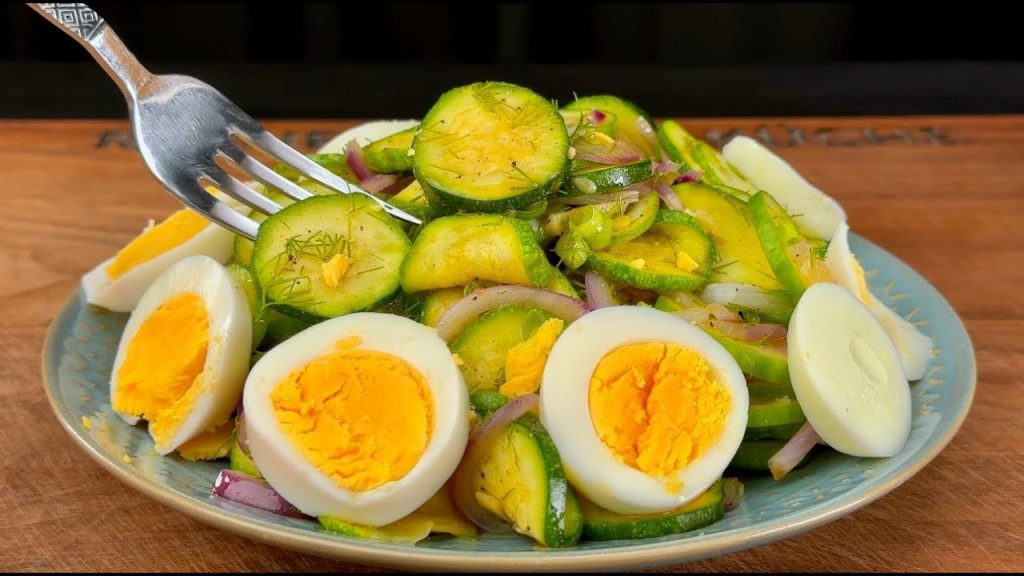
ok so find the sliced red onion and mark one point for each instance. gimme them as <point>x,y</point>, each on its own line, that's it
<point>685,300</point>
<point>647,131</point>
<point>456,318</point>
<point>596,117</point>
<point>480,443</point>
<point>599,291</point>
<point>356,160</point>
<point>377,183</point>
<point>691,176</point>
<point>666,166</point>
<point>794,451</point>
<point>245,489</point>
<point>733,493</point>
<point>617,153</point>
<point>243,436</point>
<point>694,315</point>
<point>668,195</point>
<point>767,334</point>
<point>722,313</point>
<point>744,295</point>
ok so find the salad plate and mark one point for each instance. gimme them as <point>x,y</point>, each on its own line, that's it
<point>83,339</point>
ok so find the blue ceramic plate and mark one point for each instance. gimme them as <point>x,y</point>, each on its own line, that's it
<point>82,341</point>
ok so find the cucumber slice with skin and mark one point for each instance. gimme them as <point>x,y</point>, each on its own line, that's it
<point>653,261</point>
<point>730,224</point>
<point>241,461</point>
<point>413,200</point>
<point>243,276</point>
<point>489,147</point>
<point>592,178</point>
<point>625,115</point>
<point>485,402</point>
<point>637,219</point>
<point>754,455</point>
<point>758,360</point>
<point>601,524</point>
<point>559,283</point>
<point>391,153</point>
<point>483,346</point>
<point>773,408</point>
<point>329,255</point>
<point>695,154</point>
<point>521,480</point>
<point>781,432</point>
<point>776,230</point>
<point>281,327</point>
<point>437,301</point>
<point>456,250</point>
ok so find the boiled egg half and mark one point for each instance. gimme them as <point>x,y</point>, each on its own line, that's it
<point>118,283</point>
<point>362,417</point>
<point>914,348</point>
<point>184,353</point>
<point>646,410</point>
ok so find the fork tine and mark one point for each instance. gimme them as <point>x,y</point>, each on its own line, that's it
<point>197,198</point>
<point>272,145</point>
<point>241,191</point>
<point>273,179</point>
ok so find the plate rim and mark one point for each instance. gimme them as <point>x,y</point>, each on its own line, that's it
<point>636,556</point>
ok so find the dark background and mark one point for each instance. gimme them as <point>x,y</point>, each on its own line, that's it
<point>377,60</point>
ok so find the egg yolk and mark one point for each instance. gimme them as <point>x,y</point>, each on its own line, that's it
<point>657,406</point>
<point>159,382</point>
<point>524,364</point>
<point>362,417</point>
<point>174,231</point>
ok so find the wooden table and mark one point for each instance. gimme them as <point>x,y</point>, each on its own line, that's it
<point>946,195</point>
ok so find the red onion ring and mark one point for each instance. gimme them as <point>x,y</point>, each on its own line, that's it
<point>647,131</point>
<point>691,176</point>
<point>793,452</point>
<point>599,291</point>
<point>733,493</point>
<point>356,160</point>
<point>668,195</point>
<point>480,442</point>
<point>456,318</point>
<point>244,489</point>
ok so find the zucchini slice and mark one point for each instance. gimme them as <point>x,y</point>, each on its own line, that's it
<point>623,116</point>
<point>758,360</point>
<point>695,154</point>
<point>773,407</point>
<point>391,153</point>
<point>637,219</point>
<point>590,178</point>
<point>456,250</point>
<point>243,276</point>
<point>329,255</point>
<point>754,455</point>
<point>489,147</point>
<point>437,301</point>
<point>483,346</point>
<point>522,481</point>
<point>413,200</point>
<point>729,223</point>
<point>601,524</point>
<point>435,516</point>
<point>485,402</point>
<point>675,254</point>
<point>241,461</point>
<point>776,231</point>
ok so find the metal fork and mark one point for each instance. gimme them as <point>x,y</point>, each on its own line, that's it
<point>187,132</point>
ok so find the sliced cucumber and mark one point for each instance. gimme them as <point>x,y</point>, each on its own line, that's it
<point>776,230</point>
<point>637,219</point>
<point>695,154</point>
<point>281,327</point>
<point>782,432</point>
<point>243,276</point>
<point>624,114</point>
<point>601,524</point>
<point>730,224</point>
<point>413,200</point>
<point>559,283</point>
<point>435,516</point>
<point>674,254</point>
<point>333,161</point>
<point>402,304</point>
<point>522,481</point>
<point>758,360</point>
<point>391,153</point>
<point>483,346</point>
<point>489,147</point>
<point>241,461</point>
<point>589,178</point>
<point>485,402</point>
<point>437,301</point>
<point>754,455</point>
<point>329,255</point>
<point>771,408</point>
<point>456,250</point>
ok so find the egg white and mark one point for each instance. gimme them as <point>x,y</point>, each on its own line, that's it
<point>914,348</point>
<point>366,133</point>
<point>230,340</point>
<point>564,408</point>
<point>298,479</point>
<point>123,294</point>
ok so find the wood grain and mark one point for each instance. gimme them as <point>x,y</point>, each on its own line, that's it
<point>951,206</point>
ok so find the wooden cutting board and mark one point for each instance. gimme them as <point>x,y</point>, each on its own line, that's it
<point>945,195</point>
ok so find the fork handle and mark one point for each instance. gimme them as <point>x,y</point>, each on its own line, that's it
<point>91,31</point>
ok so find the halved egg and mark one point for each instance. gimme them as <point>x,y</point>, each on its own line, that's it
<point>914,348</point>
<point>118,283</point>
<point>184,353</point>
<point>646,410</point>
<point>362,417</point>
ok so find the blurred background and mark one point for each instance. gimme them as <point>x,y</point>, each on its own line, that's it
<point>300,60</point>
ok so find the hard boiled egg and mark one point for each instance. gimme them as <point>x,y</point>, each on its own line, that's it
<point>815,213</point>
<point>914,348</point>
<point>646,410</point>
<point>846,374</point>
<point>362,417</point>
<point>184,353</point>
<point>366,133</point>
<point>118,283</point>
